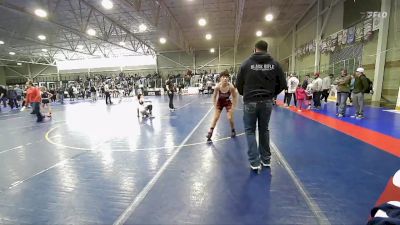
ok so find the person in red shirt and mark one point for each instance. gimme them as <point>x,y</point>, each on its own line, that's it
<point>33,96</point>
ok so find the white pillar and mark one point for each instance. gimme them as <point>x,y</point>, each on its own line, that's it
<point>277,53</point>
<point>398,101</point>
<point>234,60</point>
<point>381,52</point>
<point>58,76</point>
<point>318,37</point>
<point>293,58</point>
<point>194,62</point>
<point>29,71</point>
<point>157,63</point>
<point>219,56</point>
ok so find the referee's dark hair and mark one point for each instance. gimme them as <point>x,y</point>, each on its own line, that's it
<point>261,45</point>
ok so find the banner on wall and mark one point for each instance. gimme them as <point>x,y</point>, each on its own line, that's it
<point>339,37</point>
<point>333,42</point>
<point>375,23</point>
<point>359,31</point>
<point>367,29</point>
<point>363,31</point>
<point>98,63</point>
<point>344,36</point>
<point>351,35</point>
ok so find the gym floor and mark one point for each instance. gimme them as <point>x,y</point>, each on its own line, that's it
<point>98,164</point>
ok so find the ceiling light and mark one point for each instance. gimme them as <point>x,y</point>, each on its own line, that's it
<point>202,22</point>
<point>122,43</point>
<point>42,37</point>
<point>44,50</point>
<point>80,47</point>
<point>269,17</point>
<point>212,50</point>
<point>19,64</point>
<point>259,33</point>
<point>107,4</point>
<point>91,32</point>
<point>142,28</point>
<point>11,53</point>
<point>163,40</point>
<point>1,42</point>
<point>40,13</point>
<point>208,36</point>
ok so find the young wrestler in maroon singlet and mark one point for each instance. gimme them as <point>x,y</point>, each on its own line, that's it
<point>222,99</point>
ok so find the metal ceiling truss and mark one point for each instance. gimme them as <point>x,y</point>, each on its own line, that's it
<point>40,72</point>
<point>71,34</point>
<point>110,29</point>
<point>52,49</point>
<point>31,60</point>
<point>174,61</point>
<point>29,76</point>
<point>216,58</point>
<point>168,24</point>
<point>16,72</point>
<point>8,65</point>
<point>239,15</point>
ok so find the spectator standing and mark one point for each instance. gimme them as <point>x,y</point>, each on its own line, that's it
<point>351,89</point>
<point>3,96</point>
<point>93,93</point>
<point>12,97</point>
<point>307,80</point>
<point>301,97</point>
<point>326,86</point>
<point>33,97</point>
<point>107,93</point>
<point>293,82</point>
<point>20,93</point>
<point>343,90</point>
<point>361,86</point>
<point>317,90</point>
<point>61,91</point>
<point>170,91</point>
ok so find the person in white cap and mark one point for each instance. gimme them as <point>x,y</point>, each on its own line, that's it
<point>361,85</point>
<point>293,82</point>
<point>396,179</point>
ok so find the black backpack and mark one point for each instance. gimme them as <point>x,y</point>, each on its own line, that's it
<point>370,86</point>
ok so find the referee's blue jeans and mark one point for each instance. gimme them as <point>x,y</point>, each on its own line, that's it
<point>258,112</point>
